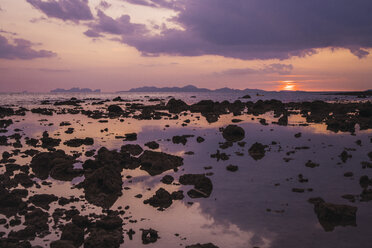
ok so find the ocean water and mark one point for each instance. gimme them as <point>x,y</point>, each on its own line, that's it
<point>189,97</point>
<point>252,207</point>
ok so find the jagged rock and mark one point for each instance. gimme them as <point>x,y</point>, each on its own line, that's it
<point>58,164</point>
<point>156,163</point>
<point>331,215</point>
<point>161,200</point>
<point>202,185</point>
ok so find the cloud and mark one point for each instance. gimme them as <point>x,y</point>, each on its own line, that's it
<point>119,26</point>
<point>92,34</point>
<point>53,70</point>
<point>22,49</point>
<point>104,5</point>
<point>282,69</point>
<point>66,10</point>
<point>259,29</point>
<point>7,32</point>
<point>167,4</point>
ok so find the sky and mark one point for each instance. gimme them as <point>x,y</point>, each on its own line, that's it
<point>116,45</point>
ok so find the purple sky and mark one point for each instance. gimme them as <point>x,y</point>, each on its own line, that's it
<point>119,44</point>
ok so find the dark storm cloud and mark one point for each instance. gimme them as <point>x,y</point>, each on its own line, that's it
<point>21,49</point>
<point>261,29</point>
<point>281,69</point>
<point>67,10</point>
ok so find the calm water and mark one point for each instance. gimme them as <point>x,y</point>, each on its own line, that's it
<point>252,207</point>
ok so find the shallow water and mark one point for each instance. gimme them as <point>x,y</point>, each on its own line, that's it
<point>252,207</point>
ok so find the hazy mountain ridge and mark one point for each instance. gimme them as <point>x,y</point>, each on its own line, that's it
<point>75,90</point>
<point>188,88</point>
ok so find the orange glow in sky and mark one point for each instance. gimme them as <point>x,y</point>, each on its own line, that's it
<point>288,85</point>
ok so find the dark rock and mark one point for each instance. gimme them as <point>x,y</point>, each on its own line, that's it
<point>168,179</point>
<point>57,164</point>
<point>161,200</point>
<point>177,195</point>
<point>200,139</point>
<point>181,139</point>
<point>103,186</point>
<point>107,232</point>
<point>134,150</point>
<point>233,133</point>
<point>73,233</point>
<point>79,142</point>
<point>43,200</point>
<point>208,245</point>
<point>114,109</point>
<point>257,151</point>
<point>152,145</point>
<point>149,236</point>
<point>331,215</point>
<point>232,168</point>
<point>202,185</point>
<point>130,137</point>
<point>176,106</point>
<point>62,244</point>
<point>156,163</point>
<point>47,142</point>
<point>311,164</point>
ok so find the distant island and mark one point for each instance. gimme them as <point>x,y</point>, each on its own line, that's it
<point>188,88</point>
<point>75,90</point>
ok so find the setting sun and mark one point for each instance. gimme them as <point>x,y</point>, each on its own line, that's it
<point>287,85</point>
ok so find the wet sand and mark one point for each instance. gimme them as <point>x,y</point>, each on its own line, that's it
<point>168,172</point>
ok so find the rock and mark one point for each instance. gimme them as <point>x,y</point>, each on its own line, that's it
<point>43,200</point>
<point>133,150</point>
<point>73,233</point>
<point>283,121</point>
<point>107,232</point>
<point>298,135</point>
<point>47,142</point>
<point>208,245</point>
<point>57,164</point>
<point>232,168</point>
<point>177,195</point>
<point>201,139</point>
<point>202,185</point>
<point>246,96</point>
<point>62,244</point>
<point>311,164</point>
<point>220,156</point>
<point>161,200</point>
<point>130,137</point>
<point>156,163</point>
<point>257,151</point>
<point>176,106</point>
<point>348,174</point>
<point>152,145</point>
<point>103,186</point>
<point>168,179</point>
<point>181,139</point>
<point>149,236</point>
<point>114,109</point>
<point>331,215</point>
<point>233,133</point>
<point>344,156</point>
<point>79,142</point>
<point>10,203</point>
